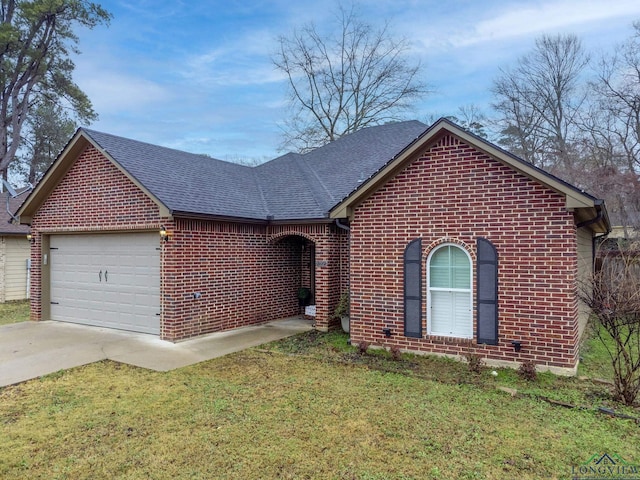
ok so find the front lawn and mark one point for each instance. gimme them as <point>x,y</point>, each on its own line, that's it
<point>595,361</point>
<point>308,407</point>
<point>13,312</point>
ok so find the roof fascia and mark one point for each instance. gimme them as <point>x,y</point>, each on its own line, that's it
<point>218,218</point>
<point>253,221</point>
<point>59,169</point>
<point>573,197</point>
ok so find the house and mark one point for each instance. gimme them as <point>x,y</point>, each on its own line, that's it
<point>14,250</point>
<point>447,243</point>
<point>618,251</point>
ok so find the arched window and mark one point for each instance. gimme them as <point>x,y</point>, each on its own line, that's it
<point>449,302</point>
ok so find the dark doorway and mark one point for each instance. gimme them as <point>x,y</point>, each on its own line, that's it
<point>312,269</point>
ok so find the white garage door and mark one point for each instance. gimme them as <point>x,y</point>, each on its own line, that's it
<point>106,280</point>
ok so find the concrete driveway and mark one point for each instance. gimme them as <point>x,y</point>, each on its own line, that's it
<point>32,349</point>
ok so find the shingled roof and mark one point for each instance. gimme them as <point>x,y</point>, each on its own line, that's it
<point>7,224</point>
<point>322,184</point>
<point>186,182</point>
<point>290,187</point>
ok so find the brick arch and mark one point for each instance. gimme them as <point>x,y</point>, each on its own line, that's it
<point>454,241</point>
<point>290,233</point>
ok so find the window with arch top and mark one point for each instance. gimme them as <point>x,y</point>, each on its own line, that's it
<point>449,292</point>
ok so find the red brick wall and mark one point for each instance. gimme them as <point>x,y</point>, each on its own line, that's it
<point>93,196</point>
<point>242,279</point>
<point>453,193</point>
<point>244,274</point>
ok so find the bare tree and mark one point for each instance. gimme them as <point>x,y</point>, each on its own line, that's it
<point>613,295</point>
<point>356,77</point>
<point>539,99</point>
<point>471,118</point>
<point>617,93</point>
<point>35,43</point>
<point>247,161</point>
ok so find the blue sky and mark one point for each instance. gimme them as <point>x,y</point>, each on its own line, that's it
<point>197,76</point>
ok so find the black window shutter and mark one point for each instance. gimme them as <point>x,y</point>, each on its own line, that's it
<point>413,289</point>
<point>487,288</point>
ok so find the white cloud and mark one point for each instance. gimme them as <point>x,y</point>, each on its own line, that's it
<point>197,75</point>
<point>525,19</point>
<point>243,61</point>
<point>113,91</point>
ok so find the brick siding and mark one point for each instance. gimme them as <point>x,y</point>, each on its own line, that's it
<point>243,273</point>
<point>454,193</point>
<point>93,196</point>
<point>331,265</point>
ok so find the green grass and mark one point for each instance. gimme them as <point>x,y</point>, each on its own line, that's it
<point>304,408</point>
<point>595,362</point>
<point>13,312</point>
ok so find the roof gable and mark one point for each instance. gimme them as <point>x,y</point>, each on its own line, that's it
<point>177,181</point>
<point>61,166</point>
<point>586,206</point>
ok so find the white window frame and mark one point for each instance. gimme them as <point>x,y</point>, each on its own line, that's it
<point>430,289</point>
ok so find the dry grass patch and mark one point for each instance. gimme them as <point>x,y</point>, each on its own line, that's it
<point>13,312</point>
<point>310,414</point>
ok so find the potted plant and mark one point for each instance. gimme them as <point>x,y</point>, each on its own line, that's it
<point>304,296</point>
<point>342,310</point>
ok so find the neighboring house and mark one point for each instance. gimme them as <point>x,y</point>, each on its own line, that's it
<point>14,250</point>
<point>619,249</point>
<point>623,233</point>
<point>448,243</point>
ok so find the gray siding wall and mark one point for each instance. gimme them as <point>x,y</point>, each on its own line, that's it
<point>16,252</point>
<point>585,270</point>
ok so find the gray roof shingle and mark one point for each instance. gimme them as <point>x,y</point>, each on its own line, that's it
<point>7,226</point>
<point>290,187</point>
<point>186,182</point>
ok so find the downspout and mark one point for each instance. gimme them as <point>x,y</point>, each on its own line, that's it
<point>347,229</point>
<point>586,223</point>
<point>341,225</point>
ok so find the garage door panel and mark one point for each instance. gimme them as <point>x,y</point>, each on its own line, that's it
<point>109,280</point>
<point>127,279</point>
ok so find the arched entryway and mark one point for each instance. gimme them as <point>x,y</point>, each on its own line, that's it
<point>322,266</point>
<point>303,249</point>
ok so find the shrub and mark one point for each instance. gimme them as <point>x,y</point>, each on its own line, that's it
<point>342,309</point>
<point>363,347</point>
<point>528,370</point>
<point>613,295</point>
<point>474,361</point>
<point>396,354</point>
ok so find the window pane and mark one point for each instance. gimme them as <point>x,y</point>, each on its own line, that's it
<point>461,314</point>
<point>441,314</point>
<point>439,268</point>
<point>440,277</point>
<point>461,276</point>
<point>458,257</point>
<point>441,257</point>
<point>450,268</point>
